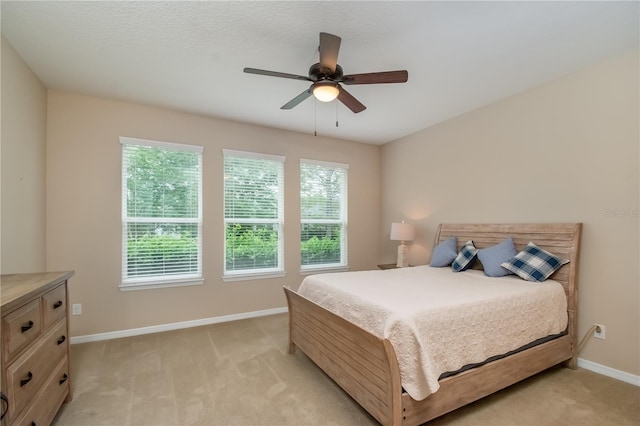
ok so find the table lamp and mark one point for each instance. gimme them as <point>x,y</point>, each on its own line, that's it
<point>402,232</point>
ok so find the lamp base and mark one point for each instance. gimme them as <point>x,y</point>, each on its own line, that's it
<point>403,256</point>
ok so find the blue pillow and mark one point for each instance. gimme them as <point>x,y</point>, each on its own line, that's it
<point>492,257</point>
<point>465,258</point>
<point>444,253</point>
<point>534,263</point>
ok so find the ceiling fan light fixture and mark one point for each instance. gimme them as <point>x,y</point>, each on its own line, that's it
<point>326,91</point>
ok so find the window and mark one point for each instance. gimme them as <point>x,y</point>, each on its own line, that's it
<point>161,214</point>
<point>253,214</point>
<point>323,213</point>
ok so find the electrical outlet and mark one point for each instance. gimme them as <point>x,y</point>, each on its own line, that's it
<point>599,332</point>
<point>76,309</point>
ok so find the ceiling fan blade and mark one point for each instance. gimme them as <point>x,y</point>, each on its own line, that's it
<point>329,48</point>
<point>276,74</point>
<point>295,101</point>
<point>377,77</point>
<point>349,101</point>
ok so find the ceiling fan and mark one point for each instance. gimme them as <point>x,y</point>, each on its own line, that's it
<point>326,76</point>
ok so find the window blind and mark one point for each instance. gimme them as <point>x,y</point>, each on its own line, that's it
<point>253,212</point>
<point>162,212</point>
<point>323,213</point>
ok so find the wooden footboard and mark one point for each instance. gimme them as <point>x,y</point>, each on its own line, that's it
<point>364,365</point>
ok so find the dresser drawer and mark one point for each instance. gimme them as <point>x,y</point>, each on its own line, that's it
<point>32,369</point>
<point>21,327</point>
<point>49,399</point>
<point>54,305</point>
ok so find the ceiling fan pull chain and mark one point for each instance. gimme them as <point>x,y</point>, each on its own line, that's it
<point>336,114</point>
<point>315,118</point>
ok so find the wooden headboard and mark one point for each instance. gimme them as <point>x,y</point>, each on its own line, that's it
<point>561,239</point>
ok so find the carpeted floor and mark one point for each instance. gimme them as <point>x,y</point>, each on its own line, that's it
<point>239,373</point>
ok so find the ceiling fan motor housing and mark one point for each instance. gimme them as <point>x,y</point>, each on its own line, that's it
<point>317,73</point>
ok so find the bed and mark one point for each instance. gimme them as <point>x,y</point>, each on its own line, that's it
<point>366,366</point>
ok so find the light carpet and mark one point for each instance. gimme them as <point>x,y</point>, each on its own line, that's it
<point>239,373</point>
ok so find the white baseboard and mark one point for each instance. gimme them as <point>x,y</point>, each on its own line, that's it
<point>174,326</point>
<point>609,372</point>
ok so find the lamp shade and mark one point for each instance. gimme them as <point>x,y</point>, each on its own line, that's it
<point>325,91</point>
<point>402,231</point>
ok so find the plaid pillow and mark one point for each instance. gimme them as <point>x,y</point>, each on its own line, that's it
<point>466,257</point>
<point>534,263</point>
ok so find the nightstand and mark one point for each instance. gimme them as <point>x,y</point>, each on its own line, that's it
<point>387,266</point>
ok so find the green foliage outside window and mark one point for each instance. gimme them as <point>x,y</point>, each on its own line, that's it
<point>177,253</point>
<point>320,250</point>
<point>256,246</point>
<point>320,244</point>
<point>251,246</point>
<point>162,183</point>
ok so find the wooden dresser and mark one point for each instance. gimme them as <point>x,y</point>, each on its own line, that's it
<point>35,347</point>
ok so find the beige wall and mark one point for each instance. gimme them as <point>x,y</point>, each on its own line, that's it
<point>567,151</point>
<point>84,209</point>
<point>24,115</point>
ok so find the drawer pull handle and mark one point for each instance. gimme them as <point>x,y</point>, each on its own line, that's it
<point>26,379</point>
<point>63,378</point>
<point>26,327</point>
<point>57,304</point>
<point>61,340</point>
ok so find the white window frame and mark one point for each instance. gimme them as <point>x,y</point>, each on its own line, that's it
<point>160,281</point>
<point>263,273</point>
<point>343,265</point>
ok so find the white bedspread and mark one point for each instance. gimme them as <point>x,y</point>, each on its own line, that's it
<point>439,321</point>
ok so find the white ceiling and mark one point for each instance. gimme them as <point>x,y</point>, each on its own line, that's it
<point>190,55</point>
